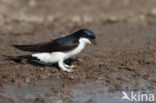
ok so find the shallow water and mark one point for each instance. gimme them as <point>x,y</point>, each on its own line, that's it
<point>107,98</point>
<point>57,92</point>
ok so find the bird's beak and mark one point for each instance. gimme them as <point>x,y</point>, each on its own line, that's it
<point>94,42</point>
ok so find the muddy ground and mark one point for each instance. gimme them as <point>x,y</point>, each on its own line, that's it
<point>124,59</point>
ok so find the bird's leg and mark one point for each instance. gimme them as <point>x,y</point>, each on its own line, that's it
<point>72,66</point>
<point>63,67</point>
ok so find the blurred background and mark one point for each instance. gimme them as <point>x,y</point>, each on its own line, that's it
<point>27,16</point>
<point>124,59</point>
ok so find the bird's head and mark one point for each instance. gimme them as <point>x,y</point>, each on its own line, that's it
<point>86,34</point>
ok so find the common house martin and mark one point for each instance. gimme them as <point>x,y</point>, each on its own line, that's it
<point>58,50</point>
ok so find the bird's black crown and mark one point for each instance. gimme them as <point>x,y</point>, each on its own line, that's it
<point>85,33</point>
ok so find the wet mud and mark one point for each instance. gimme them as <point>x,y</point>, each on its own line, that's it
<point>124,59</point>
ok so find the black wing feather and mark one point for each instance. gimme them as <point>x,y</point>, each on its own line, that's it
<point>62,44</point>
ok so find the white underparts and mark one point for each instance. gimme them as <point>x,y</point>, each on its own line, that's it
<point>59,57</point>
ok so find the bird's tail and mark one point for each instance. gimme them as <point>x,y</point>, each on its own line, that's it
<point>19,58</point>
<point>32,48</point>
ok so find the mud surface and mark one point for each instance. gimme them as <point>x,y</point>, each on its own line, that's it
<point>124,59</point>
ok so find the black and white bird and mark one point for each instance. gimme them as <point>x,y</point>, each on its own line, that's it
<point>60,49</point>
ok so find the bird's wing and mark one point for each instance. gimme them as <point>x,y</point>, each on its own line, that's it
<point>61,44</point>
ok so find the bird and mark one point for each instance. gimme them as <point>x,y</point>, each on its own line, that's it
<point>58,50</point>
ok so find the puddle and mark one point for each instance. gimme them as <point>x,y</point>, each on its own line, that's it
<point>110,98</point>
<point>57,92</point>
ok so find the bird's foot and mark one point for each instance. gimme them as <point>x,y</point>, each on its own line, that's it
<point>72,66</point>
<point>65,67</point>
<point>68,70</point>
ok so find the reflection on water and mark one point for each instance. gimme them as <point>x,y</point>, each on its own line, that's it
<point>54,92</point>
<point>113,98</point>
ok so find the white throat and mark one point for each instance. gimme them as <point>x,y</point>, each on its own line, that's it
<point>81,46</point>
